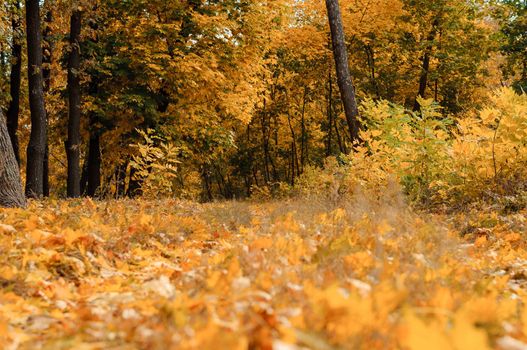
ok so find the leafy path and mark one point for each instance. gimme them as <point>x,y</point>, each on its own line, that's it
<point>284,275</point>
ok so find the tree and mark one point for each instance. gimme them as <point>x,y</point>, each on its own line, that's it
<point>73,142</point>
<point>514,27</point>
<point>37,142</point>
<point>233,86</point>
<point>446,43</point>
<point>11,193</point>
<point>423,80</point>
<point>16,72</point>
<point>47,55</point>
<point>347,90</point>
<point>93,167</point>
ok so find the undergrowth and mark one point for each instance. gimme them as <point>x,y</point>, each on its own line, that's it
<point>440,162</point>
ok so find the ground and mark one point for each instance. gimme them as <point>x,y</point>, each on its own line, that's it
<point>297,274</point>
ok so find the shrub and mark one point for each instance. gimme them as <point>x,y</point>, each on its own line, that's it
<point>155,166</point>
<point>436,160</point>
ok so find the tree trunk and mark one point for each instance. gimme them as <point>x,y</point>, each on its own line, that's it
<point>294,154</point>
<point>16,72</point>
<point>370,53</point>
<point>3,59</point>
<point>347,91</point>
<point>265,145</point>
<point>74,98</point>
<point>330,117</point>
<point>304,145</point>
<point>94,164</point>
<point>37,140</point>
<point>94,161</point>
<point>45,173</point>
<point>342,146</point>
<point>423,80</point>
<point>11,193</point>
<point>206,183</point>
<point>47,52</point>
<point>120,178</point>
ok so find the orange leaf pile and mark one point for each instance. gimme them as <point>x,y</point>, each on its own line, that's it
<point>291,275</point>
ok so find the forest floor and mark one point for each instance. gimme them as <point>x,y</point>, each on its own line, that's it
<point>297,274</point>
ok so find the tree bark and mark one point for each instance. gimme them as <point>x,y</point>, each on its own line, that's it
<point>3,58</point>
<point>294,154</point>
<point>37,140</point>
<point>47,54</point>
<point>425,69</point>
<point>347,90</point>
<point>265,144</point>
<point>342,146</point>
<point>370,53</point>
<point>94,161</point>
<point>11,192</point>
<point>94,165</point>
<point>330,117</point>
<point>16,72</point>
<point>74,97</point>
<point>304,145</point>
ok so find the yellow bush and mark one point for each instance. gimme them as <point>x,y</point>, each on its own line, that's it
<point>155,165</point>
<point>489,151</point>
<point>435,159</point>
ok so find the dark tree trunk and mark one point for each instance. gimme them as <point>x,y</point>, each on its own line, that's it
<point>16,72</point>
<point>265,144</point>
<point>37,141</point>
<point>330,118</point>
<point>11,192</point>
<point>295,167</point>
<point>206,183</point>
<point>333,117</point>
<point>3,59</point>
<point>292,171</point>
<point>94,165</point>
<point>342,146</point>
<point>45,173</point>
<point>304,146</point>
<point>84,177</point>
<point>94,161</point>
<point>347,91</point>
<point>120,178</point>
<point>47,52</point>
<point>370,53</point>
<point>423,80</point>
<point>425,69</point>
<point>74,97</point>
<point>134,185</point>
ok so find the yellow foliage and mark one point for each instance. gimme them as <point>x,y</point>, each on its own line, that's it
<point>436,160</point>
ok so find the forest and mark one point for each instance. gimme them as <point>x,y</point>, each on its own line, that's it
<point>263,174</point>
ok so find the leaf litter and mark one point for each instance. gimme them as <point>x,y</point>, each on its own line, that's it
<point>360,274</point>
